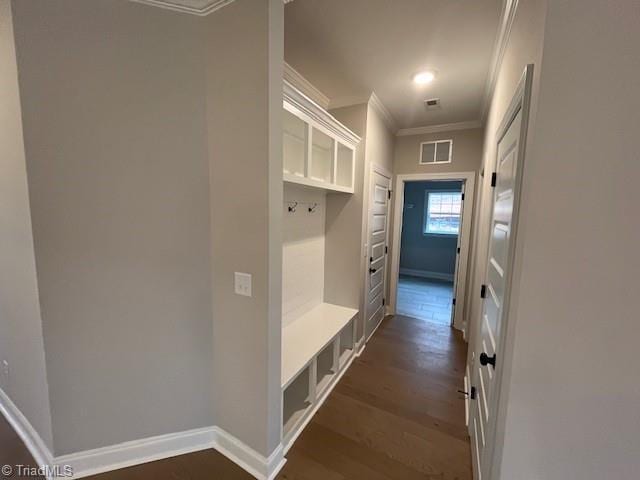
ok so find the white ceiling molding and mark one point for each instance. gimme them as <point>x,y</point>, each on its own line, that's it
<point>377,105</point>
<point>445,127</point>
<point>303,104</point>
<point>193,7</point>
<point>502,39</point>
<point>292,76</point>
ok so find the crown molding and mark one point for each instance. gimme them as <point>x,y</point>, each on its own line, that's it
<point>341,102</point>
<point>509,8</point>
<point>299,102</point>
<point>193,7</point>
<point>445,127</point>
<point>377,105</point>
<point>292,76</point>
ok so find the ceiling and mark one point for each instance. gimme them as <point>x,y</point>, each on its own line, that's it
<point>350,48</point>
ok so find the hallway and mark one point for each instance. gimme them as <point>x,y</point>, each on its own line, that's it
<point>394,415</point>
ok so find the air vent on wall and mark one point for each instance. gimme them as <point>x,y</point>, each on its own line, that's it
<point>432,103</point>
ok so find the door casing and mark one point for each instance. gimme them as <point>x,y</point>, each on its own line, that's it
<point>463,258</point>
<point>520,103</point>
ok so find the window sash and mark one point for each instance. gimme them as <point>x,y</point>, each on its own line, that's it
<point>442,213</point>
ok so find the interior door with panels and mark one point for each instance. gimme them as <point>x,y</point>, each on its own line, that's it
<point>490,341</point>
<point>377,233</point>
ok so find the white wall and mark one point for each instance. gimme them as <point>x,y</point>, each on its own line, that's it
<point>303,252</point>
<point>574,387</point>
<point>113,97</point>
<point>21,343</point>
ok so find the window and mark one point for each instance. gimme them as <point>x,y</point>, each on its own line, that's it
<point>442,213</point>
<point>436,152</point>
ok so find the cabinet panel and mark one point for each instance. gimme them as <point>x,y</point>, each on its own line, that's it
<point>322,152</point>
<point>344,166</point>
<point>294,144</point>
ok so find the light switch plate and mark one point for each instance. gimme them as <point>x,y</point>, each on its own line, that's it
<point>243,284</point>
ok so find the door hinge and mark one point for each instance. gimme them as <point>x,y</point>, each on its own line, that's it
<point>458,250</point>
<point>471,394</point>
<point>386,249</point>
<point>483,291</point>
<point>462,198</point>
<point>383,302</point>
<point>494,179</point>
<point>370,259</point>
<point>389,193</point>
<point>453,301</point>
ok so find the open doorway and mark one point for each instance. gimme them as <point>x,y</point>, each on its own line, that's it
<point>432,224</point>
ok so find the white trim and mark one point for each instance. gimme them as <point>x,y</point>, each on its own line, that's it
<point>145,450</point>
<point>294,77</point>
<point>448,277</point>
<point>29,436</point>
<point>244,456</point>
<point>507,17</point>
<point>465,234</point>
<point>435,151</point>
<point>136,452</point>
<point>301,105</point>
<point>211,7</point>
<point>444,127</point>
<point>384,112</point>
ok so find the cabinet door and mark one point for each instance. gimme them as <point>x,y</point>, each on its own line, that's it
<point>322,156</point>
<point>294,145</point>
<point>345,166</point>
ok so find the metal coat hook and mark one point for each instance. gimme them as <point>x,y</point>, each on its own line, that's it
<point>293,206</point>
<point>312,207</point>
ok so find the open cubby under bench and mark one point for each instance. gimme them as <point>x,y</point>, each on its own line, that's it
<point>316,348</point>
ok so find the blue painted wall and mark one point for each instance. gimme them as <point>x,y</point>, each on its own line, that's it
<point>432,253</point>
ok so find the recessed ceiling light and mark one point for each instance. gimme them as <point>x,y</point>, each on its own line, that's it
<point>423,78</point>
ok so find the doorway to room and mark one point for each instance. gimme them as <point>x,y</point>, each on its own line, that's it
<point>431,231</point>
<point>430,228</point>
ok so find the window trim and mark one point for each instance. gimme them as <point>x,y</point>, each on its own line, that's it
<point>425,215</point>
<point>434,162</point>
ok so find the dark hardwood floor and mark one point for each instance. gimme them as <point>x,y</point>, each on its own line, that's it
<point>13,452</point>
<point>394,415</point>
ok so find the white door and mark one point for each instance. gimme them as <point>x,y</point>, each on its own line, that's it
<point>458,291</point>
<point>490,339</point>
<point>377,238</point>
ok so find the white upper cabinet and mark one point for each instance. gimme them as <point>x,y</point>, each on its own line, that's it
<point>318,151</point>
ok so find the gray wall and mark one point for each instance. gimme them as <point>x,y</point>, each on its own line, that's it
<point>114,119</point>
<point>244,58</point>
<point>573,389</point>
<point>430,253</point>
<point>21,343</point>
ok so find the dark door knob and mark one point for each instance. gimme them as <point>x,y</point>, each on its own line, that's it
<point>487,360</point>
<point>372,270</point>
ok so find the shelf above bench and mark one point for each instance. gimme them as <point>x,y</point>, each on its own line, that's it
<point>305,337</point>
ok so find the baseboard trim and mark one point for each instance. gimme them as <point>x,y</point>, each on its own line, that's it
<point>29,436</point>
<point>427,274</point>
<point>145,450</point>
<point>244,456</point>
<point>137,452</point>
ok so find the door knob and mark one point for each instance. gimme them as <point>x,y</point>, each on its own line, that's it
<point>372,270</point>
<point>487,360</point>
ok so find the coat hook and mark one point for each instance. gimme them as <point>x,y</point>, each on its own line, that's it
<point>312,207</point>
<point>292,206</point>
